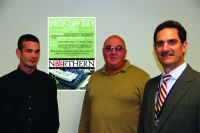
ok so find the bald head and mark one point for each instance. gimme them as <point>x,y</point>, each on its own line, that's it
<point>115,38</point>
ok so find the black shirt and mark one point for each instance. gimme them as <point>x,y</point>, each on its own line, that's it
<point>28,103</point>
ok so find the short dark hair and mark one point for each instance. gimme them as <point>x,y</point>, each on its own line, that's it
<point>172,24</point>
<point>26,37</point>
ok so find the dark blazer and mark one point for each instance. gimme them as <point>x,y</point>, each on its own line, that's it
<point>181,113</point>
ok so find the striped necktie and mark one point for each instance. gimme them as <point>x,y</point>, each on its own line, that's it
<point>161,95</point>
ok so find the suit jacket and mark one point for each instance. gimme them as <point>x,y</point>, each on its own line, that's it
<point>181,113</point>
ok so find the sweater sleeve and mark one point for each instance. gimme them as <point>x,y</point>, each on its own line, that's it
<point>84,126</point>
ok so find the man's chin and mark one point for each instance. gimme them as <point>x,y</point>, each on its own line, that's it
<point>165,65</point>
<point>31,66</point>
<point>114,66</point>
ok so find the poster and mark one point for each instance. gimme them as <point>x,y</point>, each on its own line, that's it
<point>71,51</point>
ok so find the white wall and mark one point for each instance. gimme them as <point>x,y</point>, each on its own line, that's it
<point>134,20</point>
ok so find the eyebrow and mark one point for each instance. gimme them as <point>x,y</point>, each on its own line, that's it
<point>28,49</point>
<point>175,40</point>
<point>109,45</point>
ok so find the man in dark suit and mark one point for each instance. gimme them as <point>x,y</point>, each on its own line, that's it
<point>172,105</point>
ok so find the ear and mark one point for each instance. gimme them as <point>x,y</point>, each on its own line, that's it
<point>154,47</point>
<point>18,53</point>
<point>125,52</point>
<point>184,46</point>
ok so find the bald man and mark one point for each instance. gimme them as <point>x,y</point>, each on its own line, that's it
<point>114,94</point>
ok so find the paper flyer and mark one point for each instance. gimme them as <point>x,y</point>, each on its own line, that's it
<point>71,51</point>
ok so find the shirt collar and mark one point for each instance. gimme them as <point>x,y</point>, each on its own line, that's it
<point>25,75</point>
<point>124,69</point>
<point>177,71</point>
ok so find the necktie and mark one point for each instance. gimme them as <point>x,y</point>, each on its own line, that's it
<point>161,95</point>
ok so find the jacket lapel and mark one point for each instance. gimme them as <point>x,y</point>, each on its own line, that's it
<point>178,90</point>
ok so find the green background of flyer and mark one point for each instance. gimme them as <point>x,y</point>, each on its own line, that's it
<point>71,37</point>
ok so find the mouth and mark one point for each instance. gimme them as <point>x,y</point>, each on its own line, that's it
<point>113,58</point>
<point>32,61</point>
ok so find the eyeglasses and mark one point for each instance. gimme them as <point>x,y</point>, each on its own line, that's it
<point>110,48</point>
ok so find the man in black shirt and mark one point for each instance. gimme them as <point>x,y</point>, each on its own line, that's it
<point>28,96</point>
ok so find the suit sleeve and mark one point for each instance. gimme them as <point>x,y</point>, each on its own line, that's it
<point>198,115</point>
<point>84,126</point>
<point>142,110</point>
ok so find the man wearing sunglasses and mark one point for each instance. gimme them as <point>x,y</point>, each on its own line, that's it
<point>114,93</point>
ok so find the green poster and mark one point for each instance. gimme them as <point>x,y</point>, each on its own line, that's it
<point>71,50</point>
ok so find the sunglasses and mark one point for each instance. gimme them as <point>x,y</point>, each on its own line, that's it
<point>110,48</point>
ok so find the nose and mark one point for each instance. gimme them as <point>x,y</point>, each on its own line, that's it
<point>34,54</point>
<point>165,46</point>
<point>113,51</point>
